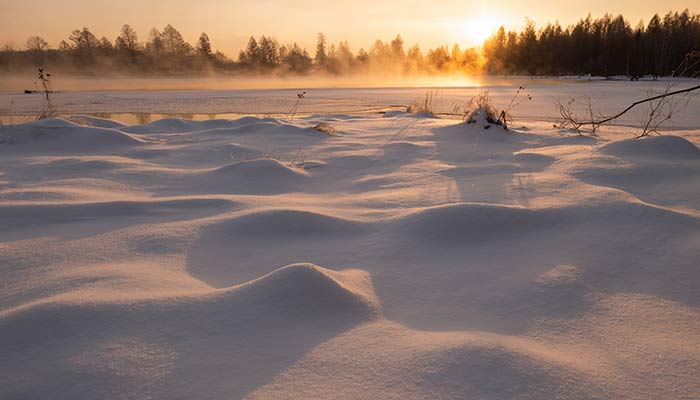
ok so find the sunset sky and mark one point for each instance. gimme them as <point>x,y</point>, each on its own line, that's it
<point>230,23</point>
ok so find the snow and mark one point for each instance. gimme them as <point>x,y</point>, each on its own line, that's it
<point>401,258</point>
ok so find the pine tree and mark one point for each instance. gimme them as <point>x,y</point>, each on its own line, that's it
<point>321,56</point>
<point>128,41</point>
<point>204,46</point>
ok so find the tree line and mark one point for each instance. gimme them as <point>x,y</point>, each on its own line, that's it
<point>267,54</point>
<point>166,52</point>
<point>605,46</point>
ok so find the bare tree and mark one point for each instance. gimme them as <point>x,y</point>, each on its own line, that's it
<point>105,46</point>
<point>9,47</point>
<point>63,46</point>
<point>84,41</point>
<point>37,44</point>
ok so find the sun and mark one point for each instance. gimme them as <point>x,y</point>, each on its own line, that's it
<point>475,31</point>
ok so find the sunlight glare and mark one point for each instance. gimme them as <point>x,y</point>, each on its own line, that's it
<point>477,30</point>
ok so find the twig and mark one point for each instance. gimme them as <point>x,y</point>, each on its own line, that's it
<point>636,103</point>
<point>569,119</point>
<point>653,120</point>
<point>293,112</point>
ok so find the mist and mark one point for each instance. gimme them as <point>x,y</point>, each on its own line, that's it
<point>165,61</point>
<point>18,82</point>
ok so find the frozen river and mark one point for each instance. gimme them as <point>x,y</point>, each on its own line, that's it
<point>140,106</point>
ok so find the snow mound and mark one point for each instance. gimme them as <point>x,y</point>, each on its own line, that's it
<point>27,216</point>
<point>64,136</point>
<point>258,176</point>
<point>289,222</point>
<point>423,115</point>
<point>96,122</point>
<point>309,289</point>
<point>251,120</point>
<point>563,289</point>
<point>561,292</point>
<point>488,368</point>
<point>406,148</point>
<point>481,222</point>
<point>482,134</point>
<point>252,176</point>
<point>81,165</point>
<point>430,365</point>
<point>395,113</point>
<point>177,125</point>
<point>113,343</point>
<point>471,221</point>
<point>257,126</point>
<point>244,125</point>
<point>667,147</point>
<point>271,125</point>
<point>210,256</point>
<point>483,118</point>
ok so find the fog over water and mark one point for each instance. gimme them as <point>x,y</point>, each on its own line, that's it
<point>140,100</point>
<point>22,81</point>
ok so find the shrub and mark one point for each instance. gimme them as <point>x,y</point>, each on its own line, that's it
<point>424,105</point>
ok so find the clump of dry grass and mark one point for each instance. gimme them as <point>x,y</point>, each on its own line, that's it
<point>326,128</point>
<point>424,105</point>
<point>480,109</point>
<point>299,160</point>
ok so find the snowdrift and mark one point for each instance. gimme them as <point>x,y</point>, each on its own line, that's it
<point>659,147</point>
<point>266,323</point>
<point>412,258</point>
<point>265,175</point>
<point>59,135</point>
<point>96,122</point>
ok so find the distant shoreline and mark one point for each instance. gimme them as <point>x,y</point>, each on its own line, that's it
<point>18,83</point>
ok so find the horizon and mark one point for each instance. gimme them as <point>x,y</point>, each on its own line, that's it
<point>450,23</point>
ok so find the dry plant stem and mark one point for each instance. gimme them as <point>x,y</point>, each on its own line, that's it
<point>424,105</point>
<point>293,112</point>
<point>653,120</point>
<point>570,119</point>
<point>515,101</point>
<point>503,119</point>
<point>636,103</point>
<point>48,110</point>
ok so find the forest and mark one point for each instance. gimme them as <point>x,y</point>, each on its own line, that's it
<point>606,46</point>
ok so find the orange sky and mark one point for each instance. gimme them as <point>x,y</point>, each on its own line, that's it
<point>230,23</point>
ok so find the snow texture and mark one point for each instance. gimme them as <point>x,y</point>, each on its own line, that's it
<point>401,258</point>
